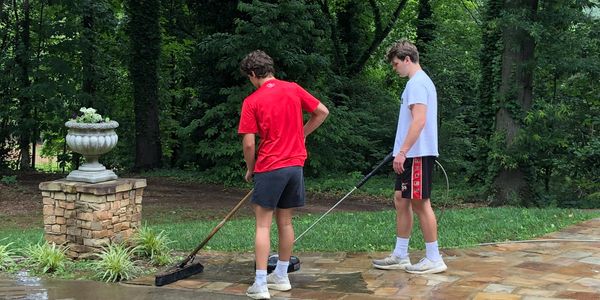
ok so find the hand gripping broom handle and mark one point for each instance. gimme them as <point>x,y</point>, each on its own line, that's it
<point>214,231</point>
<point>386,160</point>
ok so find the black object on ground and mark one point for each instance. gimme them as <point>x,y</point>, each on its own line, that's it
<point>294,261</point>
<point>292,267</point>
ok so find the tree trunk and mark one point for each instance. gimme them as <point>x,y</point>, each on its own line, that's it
<point>88,54</point>
<point>425,27</point>
<point>23,46</point>
<point>490,71</point>
<point>338,52</point>
<point>144,33</point>
<point>516,88</point>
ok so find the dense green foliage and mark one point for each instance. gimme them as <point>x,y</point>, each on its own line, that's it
<point>181,58</point>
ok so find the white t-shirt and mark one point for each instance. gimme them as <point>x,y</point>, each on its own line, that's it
<point>419,89</point>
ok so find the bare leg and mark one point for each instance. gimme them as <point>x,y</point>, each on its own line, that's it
<point>422,208</point>
<point>286,233</point>
<point>404,215</point>
<point>262,244</point>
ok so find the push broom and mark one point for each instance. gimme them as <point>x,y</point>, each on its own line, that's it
<point>189,266</point>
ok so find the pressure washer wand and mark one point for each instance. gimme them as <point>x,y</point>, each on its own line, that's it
<point>387,159</point>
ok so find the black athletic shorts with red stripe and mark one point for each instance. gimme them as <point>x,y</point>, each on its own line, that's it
<point>415,181</point>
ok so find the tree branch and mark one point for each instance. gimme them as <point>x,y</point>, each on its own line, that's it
<point>337,49</point>
<point>40,32</point>
<point>16,14</point>
<point>470,13</point>
<point>364,57</point>
<point>4,17</point>
<point>376,16</point>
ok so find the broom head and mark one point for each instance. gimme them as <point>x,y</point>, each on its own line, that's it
<point>177,273</point>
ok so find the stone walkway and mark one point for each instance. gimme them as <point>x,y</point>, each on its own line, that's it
<point>528,271</point>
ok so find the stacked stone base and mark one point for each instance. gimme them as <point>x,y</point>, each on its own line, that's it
<point>85,217</point>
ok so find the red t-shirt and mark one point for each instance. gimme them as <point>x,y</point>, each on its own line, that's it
<point>274,111</point>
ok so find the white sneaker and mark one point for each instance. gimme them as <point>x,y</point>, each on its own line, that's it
<point>426,266</point>
<point>392,263</point>
<point>256,291</point>
<point>278,283</point>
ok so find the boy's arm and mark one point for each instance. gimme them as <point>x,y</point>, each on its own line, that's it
<point>248,143</point>
<point>418,112</point>
<point>317,117</point>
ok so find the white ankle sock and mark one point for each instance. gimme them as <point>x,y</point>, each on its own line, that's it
<point>401,249</point>
<point>432,252</point>
<point>281,268</point>
<point>261,277</point>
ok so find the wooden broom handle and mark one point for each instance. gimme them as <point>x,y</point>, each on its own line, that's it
<point>214,231</point>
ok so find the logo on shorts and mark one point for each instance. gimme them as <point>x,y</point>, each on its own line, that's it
<point>404,187</point>
<point>417,178</point>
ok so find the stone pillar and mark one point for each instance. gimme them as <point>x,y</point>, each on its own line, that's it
<point>87,216</point>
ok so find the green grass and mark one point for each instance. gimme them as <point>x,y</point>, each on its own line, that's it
<point>365,231</point>
<point>50,167</point>
<point>21,238</point>
<point>375,231</point>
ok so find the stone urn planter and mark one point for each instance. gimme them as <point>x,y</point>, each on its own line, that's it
<point>92,140</point>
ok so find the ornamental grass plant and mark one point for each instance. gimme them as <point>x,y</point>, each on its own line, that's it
<point>153,245</point>
<point>115,263</point>
<point>6,255</point>
<point>46,257</point>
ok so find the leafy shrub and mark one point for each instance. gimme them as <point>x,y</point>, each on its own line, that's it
<point>8,180</point>
<point>6,254</point>
<point>46,257</point>
<point>155,246</point>
<point>115,263</point>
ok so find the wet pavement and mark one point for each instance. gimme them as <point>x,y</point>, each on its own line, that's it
<point>33,288</point>
<point>548,269</point>
<point>539,270</point>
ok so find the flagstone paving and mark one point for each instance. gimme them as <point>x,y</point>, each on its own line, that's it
<point>527,271</point>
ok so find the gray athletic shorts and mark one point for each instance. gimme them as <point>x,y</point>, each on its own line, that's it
<point>281,188</point>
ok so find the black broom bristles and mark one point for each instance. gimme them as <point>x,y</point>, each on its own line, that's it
<point>178,273</point>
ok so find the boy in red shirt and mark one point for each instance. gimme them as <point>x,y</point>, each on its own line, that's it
<point>274,112</point>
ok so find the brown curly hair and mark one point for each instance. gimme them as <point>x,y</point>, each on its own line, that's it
<point>402,49</point>
<point>258,62</point>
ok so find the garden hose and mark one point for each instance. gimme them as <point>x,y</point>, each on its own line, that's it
<point>442,207</point>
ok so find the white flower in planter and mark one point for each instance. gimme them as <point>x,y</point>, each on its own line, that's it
<point>91,135</point>
<point>89,115</point>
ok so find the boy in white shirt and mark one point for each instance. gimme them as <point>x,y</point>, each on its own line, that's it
<point>415,152</point>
